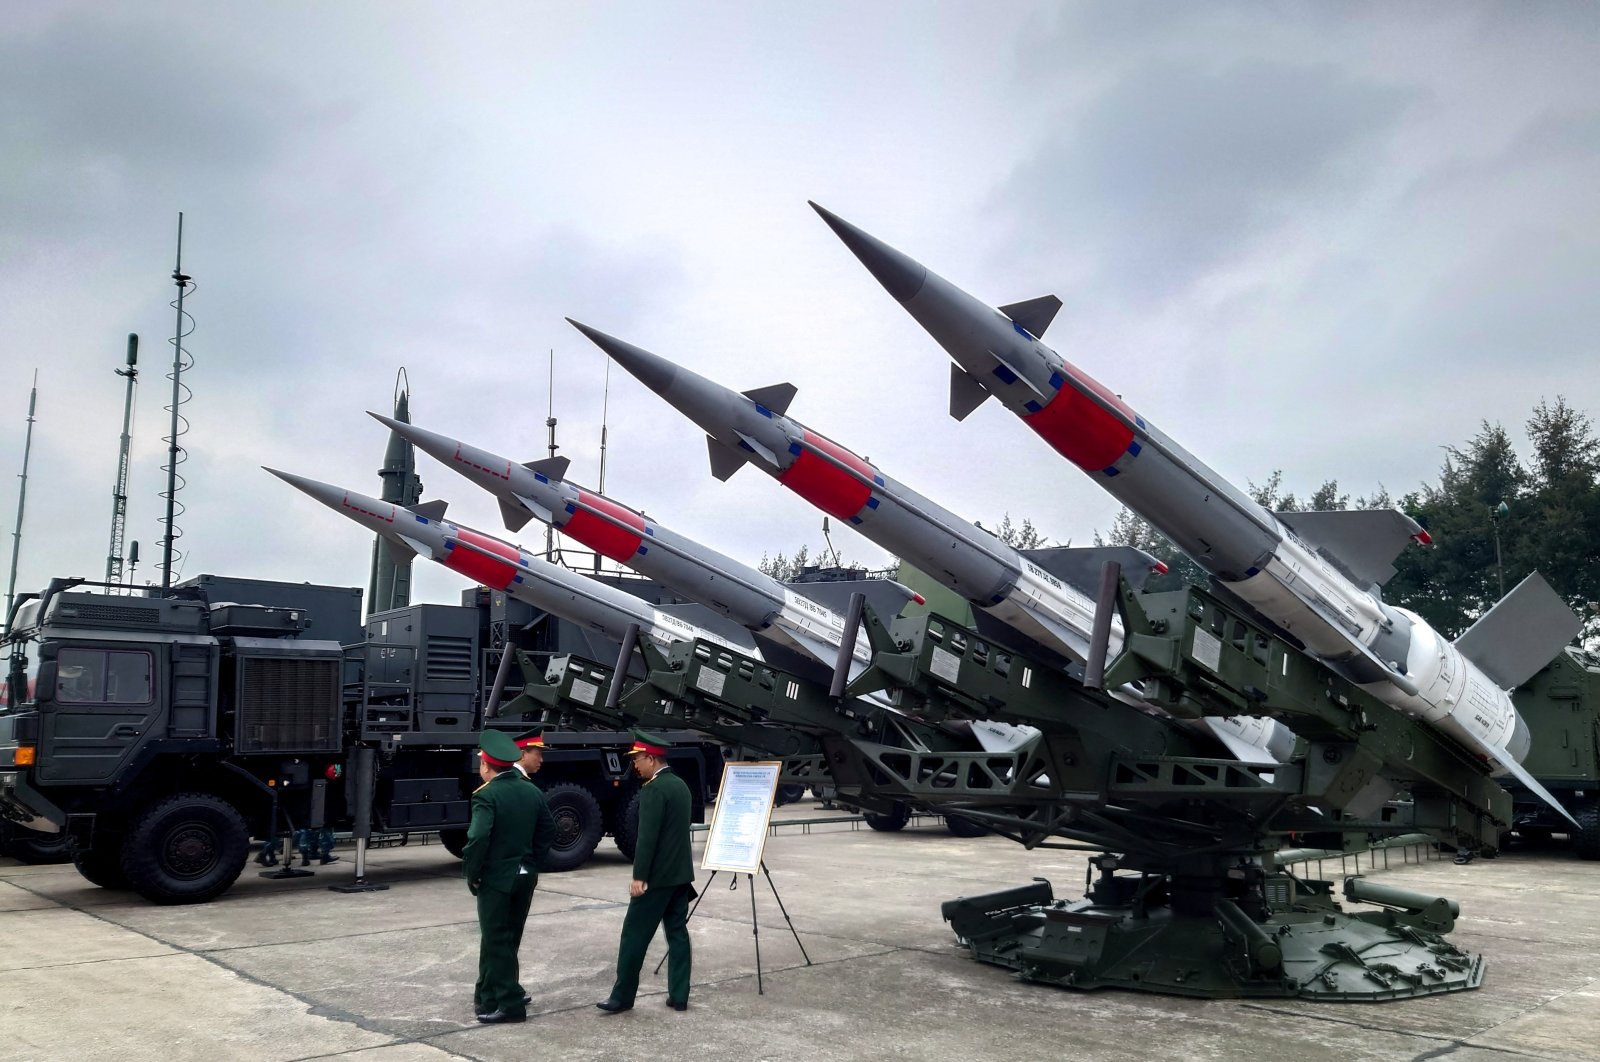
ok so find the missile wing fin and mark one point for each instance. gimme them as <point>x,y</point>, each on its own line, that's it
<point>1080,566</point>
<point>966,393</point>
<point>775,397</point>
<point>1520,773</point>
<point>884,596</point>
<point>1034,314</point>
<point>516,514</point>
<point>756,447</point>
<point>1241,748</point>
<point>1022,378</point>
<point>548,467</point>
<point>725,460</point>
<point>413,545</point>
<point>1520,634</point>
<point>400,550</point>
<point>431,510</point>
<point>1363,543</point>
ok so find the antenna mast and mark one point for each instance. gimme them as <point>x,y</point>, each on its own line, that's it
<point>550,422</point>
<point>175,453</point>
<point>119,493</point>
<point>22,500</point>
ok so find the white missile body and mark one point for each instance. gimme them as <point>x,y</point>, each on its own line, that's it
<point>1299,570</point>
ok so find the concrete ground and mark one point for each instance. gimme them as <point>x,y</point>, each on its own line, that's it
<point>289,970</point>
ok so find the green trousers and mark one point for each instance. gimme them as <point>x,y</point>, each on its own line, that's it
<point>501,916</point>
<point>667,907</point>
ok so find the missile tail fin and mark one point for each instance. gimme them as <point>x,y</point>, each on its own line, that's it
<point>1520,773</point>
<point>966,393</point>
<point>1363,543</point>
<point>725,460</point>
<point>400,551</point>
<point>1522,633</point>
<point>430,510</point>
<point>756,447</point>
<point>775,397</point>
<point>549,467</point>
<point>1034,314</point>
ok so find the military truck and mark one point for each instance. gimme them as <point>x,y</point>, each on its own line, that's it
<point>1561,705</point>
<point>161,734</point>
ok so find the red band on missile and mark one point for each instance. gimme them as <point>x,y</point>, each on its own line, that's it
<point>828,487</point>
<point>1081,429</point>
<point>602,536</point>
<point>486,571</point>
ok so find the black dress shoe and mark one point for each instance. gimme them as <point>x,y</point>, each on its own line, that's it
<point>614,1006</point>
<point>675,1005</point>
<point>501,1017</point>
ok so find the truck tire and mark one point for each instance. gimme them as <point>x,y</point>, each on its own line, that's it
<point>579,826</point>
<point>627,832</point>
<point>187,848</point>
<point>102,864</point>
<point>890,822</point>
<point>31,846</point>
<point>1586,838</point>
<point>454,841</point>
<point>961,826</point>
<point>788,793</point>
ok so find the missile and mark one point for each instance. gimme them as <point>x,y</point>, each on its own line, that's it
<point>1314,575</point>
<point>488,561</point>
<point>1037,593</point>
<point>747,596</point>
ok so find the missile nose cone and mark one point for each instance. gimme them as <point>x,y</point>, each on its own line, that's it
<point>901,276</point>
<point>656,373</point>
<point>323,492</point>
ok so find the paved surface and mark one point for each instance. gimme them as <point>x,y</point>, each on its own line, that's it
<point>289,970</point>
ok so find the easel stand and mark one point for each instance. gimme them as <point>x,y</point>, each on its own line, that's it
<point>755,922</point>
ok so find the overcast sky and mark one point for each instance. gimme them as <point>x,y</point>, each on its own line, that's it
<point>1323,238</point>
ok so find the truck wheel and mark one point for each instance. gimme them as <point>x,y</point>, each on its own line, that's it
<point>187,848</point>
<point>579,825</point>
<point>890,822</point>
<point>454,841</point>
<point>31,846</point>
<point>788,793</point>
<point>627,832</point>
<point>1586,838</point>
<point>102,864</point>
<point>961,826</point>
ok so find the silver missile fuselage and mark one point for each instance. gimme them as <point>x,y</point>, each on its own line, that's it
<point>745,595</point>
<point>1391,652</point>
<point>499,565</point>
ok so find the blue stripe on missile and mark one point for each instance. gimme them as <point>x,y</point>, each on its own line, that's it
<point>571,508</point>
<point>877,479</point>
<point>1133,448</point>
<point>1253,571</point>
<point>449,543</point>
<point>1033,407</point>
<point>1111,471</point>
<point>541,477</point>
<point>1056,380</point>
<point>643,550</point>
<point>855,519</point>
<point>1138,420</point>
<point>763,410</point>
<point>872,503</point>
<point>1022,331</point>
<point>517,578</point>
<point>996,599</point>
<point>1005,374</point>
<point>420,519</point>
<point>650,531</point>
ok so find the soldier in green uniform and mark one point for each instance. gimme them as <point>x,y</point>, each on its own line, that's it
<point>663,879</point>
<point>510,834</point>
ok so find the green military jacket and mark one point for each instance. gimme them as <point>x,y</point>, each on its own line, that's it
<point>662,856</point>
<point>511,831</point>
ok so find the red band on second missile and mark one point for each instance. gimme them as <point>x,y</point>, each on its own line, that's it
<point>485,571</point>
<point>828,487</point>
<point>602,536</point>
<point>1081,429</point>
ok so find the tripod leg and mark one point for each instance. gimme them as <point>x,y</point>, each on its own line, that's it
<point>755,928</point>
<point>785,911</point>
<point>692,910</point>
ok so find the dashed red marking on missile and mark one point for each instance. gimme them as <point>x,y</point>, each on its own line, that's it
<point>353,507</point>
<point>484,570</point>
<point>602,536</point>
<point>1081,429</point>
<point>824,485</point>
<point>496,473</point>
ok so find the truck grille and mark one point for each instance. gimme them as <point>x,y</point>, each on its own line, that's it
<point>288,705</point>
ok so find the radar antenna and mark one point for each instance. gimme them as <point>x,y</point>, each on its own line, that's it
<point>119,493</point>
